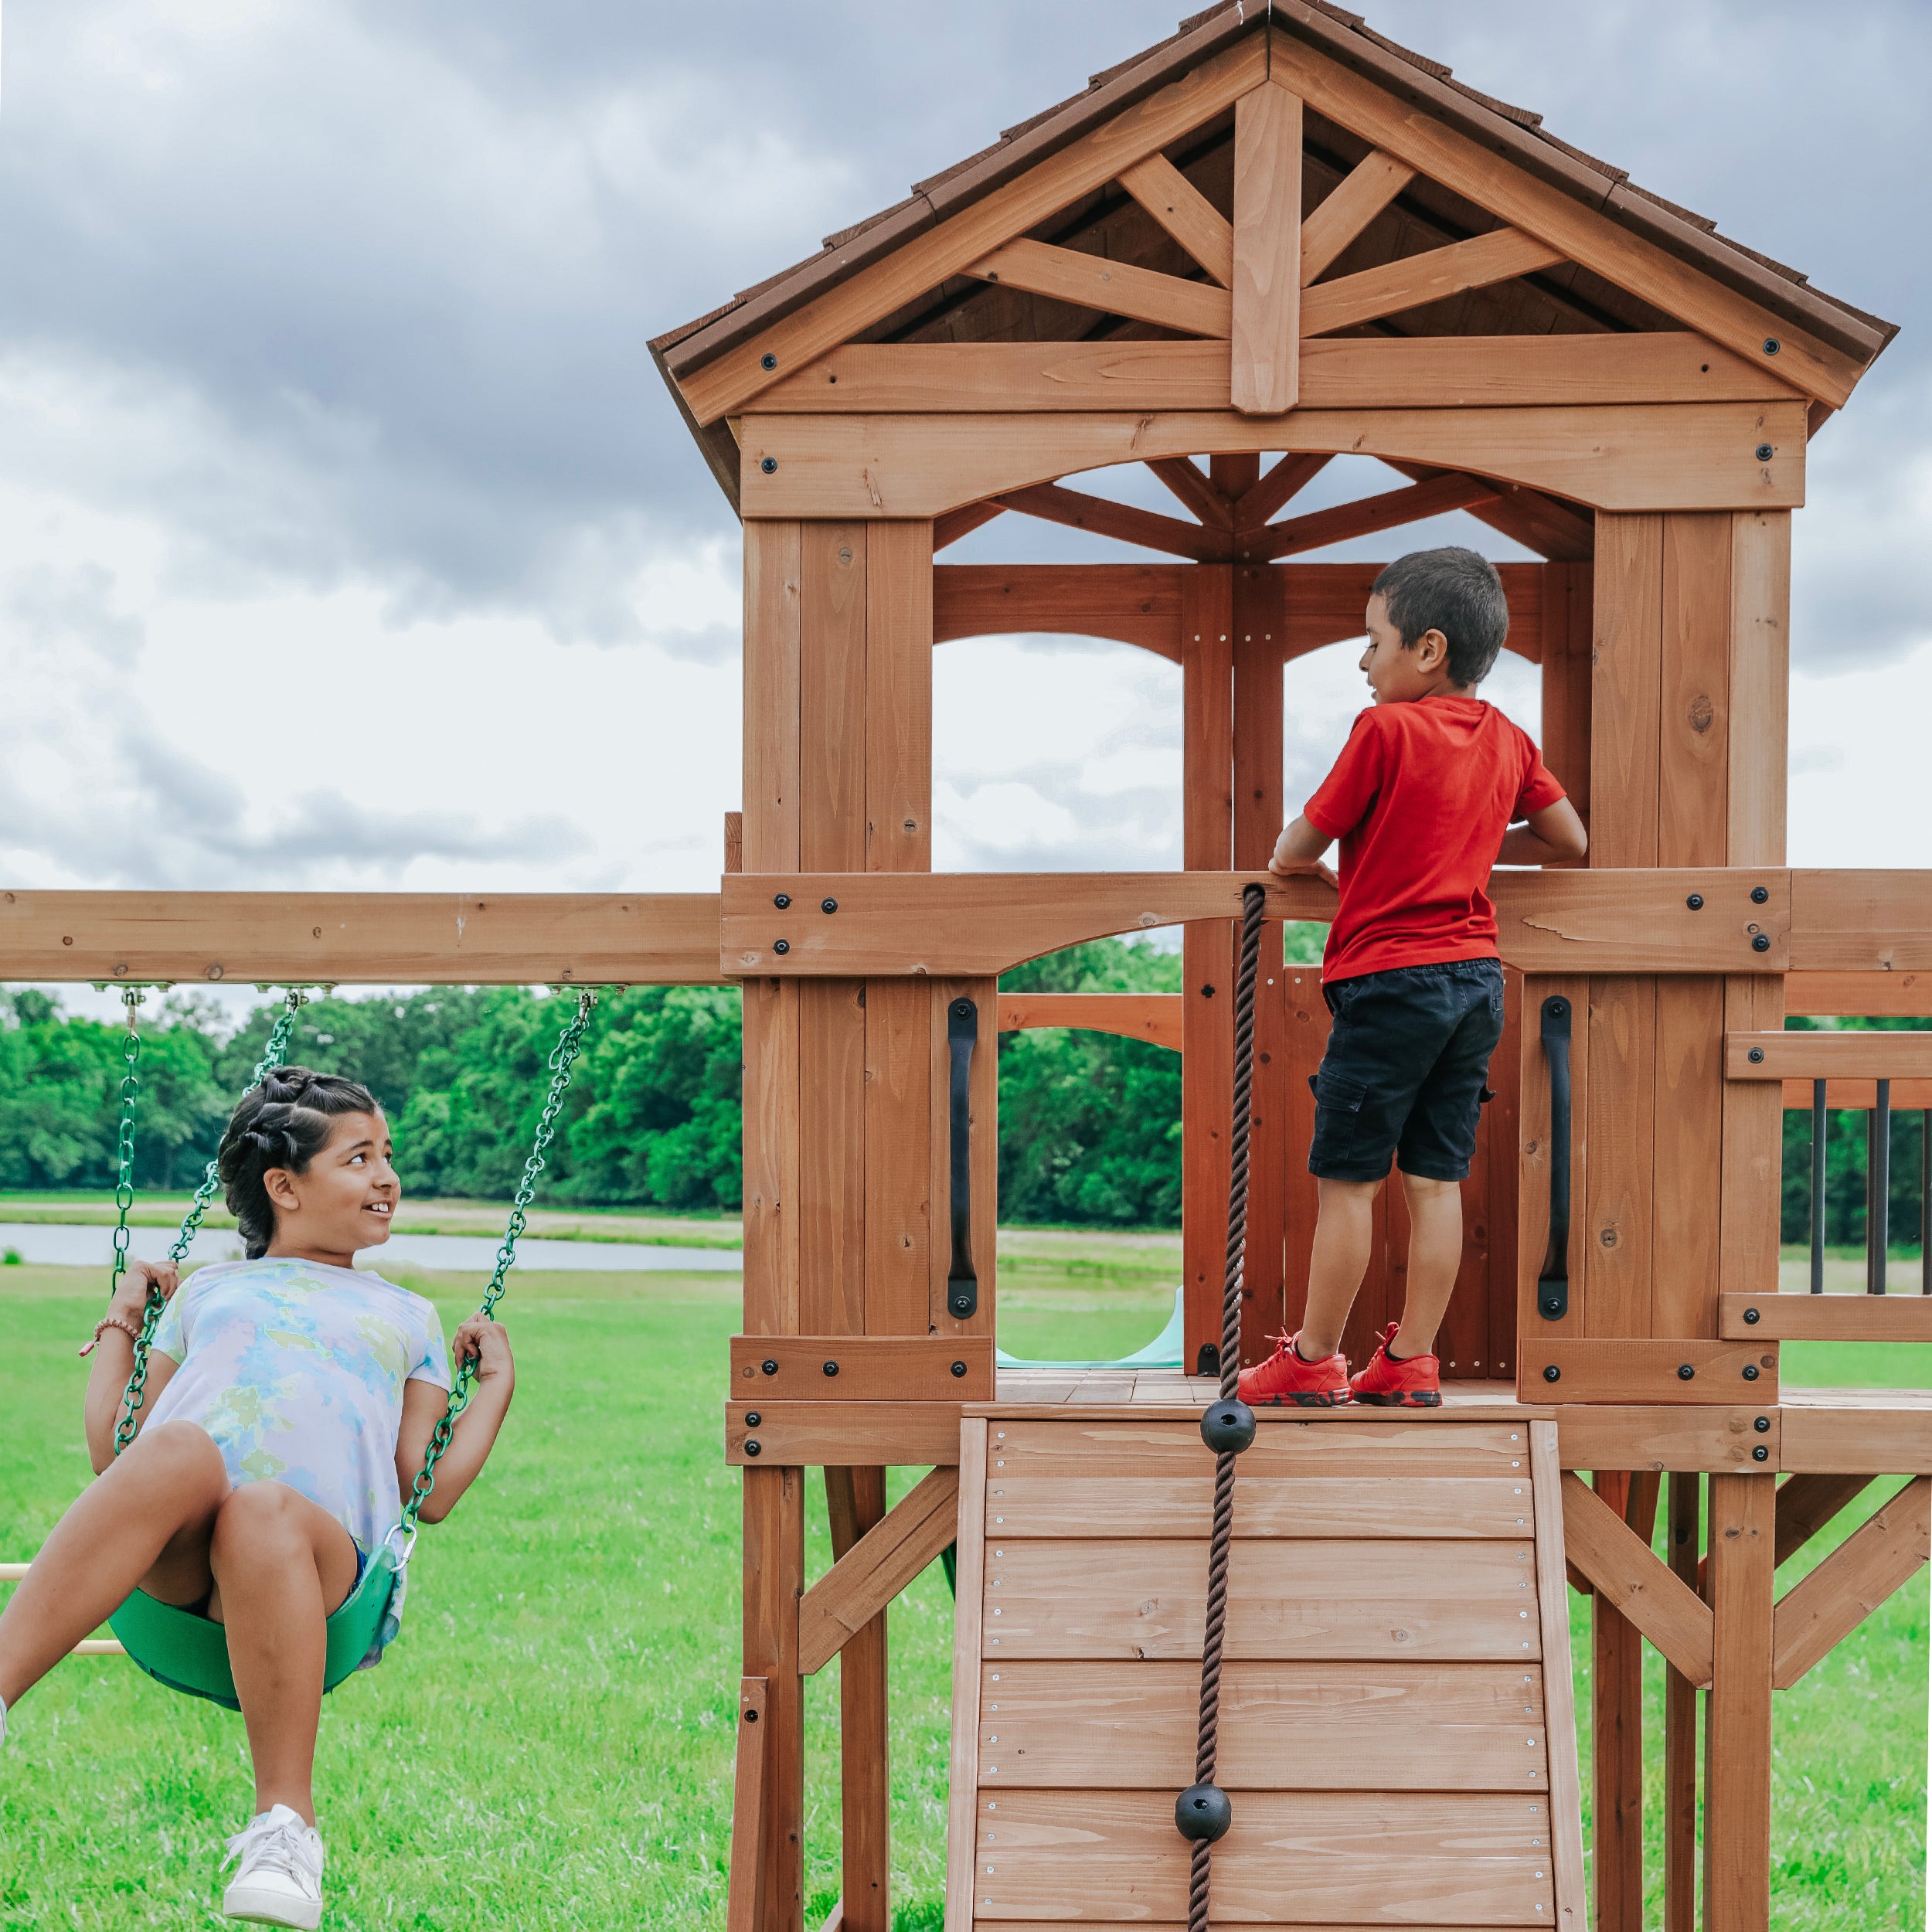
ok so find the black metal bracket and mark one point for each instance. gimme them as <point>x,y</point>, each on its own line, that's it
<point>1552,1284</point>
<point>962,1282</point>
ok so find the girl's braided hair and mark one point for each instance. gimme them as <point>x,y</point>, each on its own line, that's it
<point>285,1122</point>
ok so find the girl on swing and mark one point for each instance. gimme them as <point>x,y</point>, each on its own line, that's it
<point>290,1401</point>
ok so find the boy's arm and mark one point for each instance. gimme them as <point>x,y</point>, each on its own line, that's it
<point>1548,837</point>
<point>1300,848</point>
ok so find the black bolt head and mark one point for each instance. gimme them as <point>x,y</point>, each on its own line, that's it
<point>1695,902</point>
<point>961,1008</point>
<point>1684,1372</point>
<point>1762,943</point>
<point>1207,992</point>
<point>782,945</point>
<point>1765,452</point>
<point>1759,895</point>
<point>771,464</point>
<point>1750,1371</point>
<point>1553,1373</point>
<point>1761,1454</point>
<point>771,1367</point>
<point>753,1419</point>
<point>1202,1811</point>
<point>1763,1425</point>
<point>1750,1318</point>
<point>768,361</point>
<point>961,1305</point>
<point>1772,345</point>
<point>959,1369</point>
<point>1227,1427</point>
<point>1557,1007</point>
<point>751,1447</point>
<point>828,905</point>
<point>1757,1056</point>
<point>781,900</point>
<point>831,1368</point>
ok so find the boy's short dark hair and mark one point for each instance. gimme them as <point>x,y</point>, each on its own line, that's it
<point>1456,592</point>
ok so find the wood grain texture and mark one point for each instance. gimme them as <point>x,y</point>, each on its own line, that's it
<point>1640,1588</point>
<point>1194,489</point>
<point>1464,1859</point>
<point>1266,331</point>
<point>982,1154</point>
<point>862,1582</point>
<point>955,524</point>
<point>898,1161</point>
<point>724,386</point>
<point>771,1304</point>
<point>1101,516</point>
<point>1415,280</point>
<point>1826,1317</point>
<point>1859,1096</point>
<point>1541,209</point>
<point>899,698</point>
<point>774,1561</point>
<point>1681,1514</point>
<point>1114,288</point>
<point>1565,656</point>
<point>1626,690</point>
<point>1620,1128</point>
<point>1754,1150</point>
<point>1348,208</point>
<point>1858,921</point>
<point>771,671</point>
<point>1623,457</point>
<point>1821,1610</point>
<point>962,1822</point>
<point>1866,995</point>
<point>855,1504</point>
<point>1778,1055</point>
<point>742,1899</point>
<point>1687,1156</point>
<point>1806,1504</point>
<point>1136,604</point>
<point>1072,1450</point>
<point>1387,511</point>
<point>1154,1017</point>
<point>1343,372</point>
<point>1617,1720</point>
<point>1693,779</point>
<point>1760,655</point>
<point>1268,493</point>
<point>1559,1713</point>
<point>1434,1599</point>
<point>1184,212</point>
<point>1737,1795</point>
<point>825,1432</point>
<point>1603,1369</point>
<point>831,725</point>
<point>1384,1727</point>
<point>830,1130</point>
<point>844,1366</point>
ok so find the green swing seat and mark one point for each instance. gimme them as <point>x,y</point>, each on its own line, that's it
<point>189,1653</point>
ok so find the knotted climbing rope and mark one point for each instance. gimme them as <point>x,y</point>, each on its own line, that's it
<point>1202,1812</point>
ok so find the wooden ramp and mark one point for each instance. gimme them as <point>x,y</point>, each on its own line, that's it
<point>1397,1734</point>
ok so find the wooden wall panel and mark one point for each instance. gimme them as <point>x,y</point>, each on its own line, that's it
<point>1760,684</point>
<point>1686,1165</point>
<point>1207,663</point>
<point>898,1169</point>
<point>1619,1132</point>
<point>1737,1791</point>
<point>832,1157</point>
<point>771,1157</point>
<point>1305,1026</point>
<point>1626,689</point>
<point>898,697</point>
<point>771,696</point>
<point>832,572</point>
<point>1566,661</point>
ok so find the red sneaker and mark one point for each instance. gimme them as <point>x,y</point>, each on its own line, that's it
<point>1413,1382</point>
<point>1285,1379</point>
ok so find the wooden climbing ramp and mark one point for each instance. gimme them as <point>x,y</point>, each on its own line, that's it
<point>1397,1732</point>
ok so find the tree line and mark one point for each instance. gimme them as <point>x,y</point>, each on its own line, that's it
<point>1089,1123</point>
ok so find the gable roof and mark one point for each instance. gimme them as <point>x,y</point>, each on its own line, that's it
<point>1516,134</point>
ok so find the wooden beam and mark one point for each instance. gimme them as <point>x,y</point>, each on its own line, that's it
<point>1826,1318</point>
<point>956,524</point>
<point>1873,996</point>
<point>1616,1739</point>
<point>1806,1504</point>
<point>1737,1791</point>
<point>1136,604</point>
<point>1555,530</point>
<point>1578,234</point>
<point>1367,515</point>
<point>1114,288</point>
<point>1414,280</point>
<point>1284,478</point>
<point>724,385</point>
<point>1680,1724</point>
<point>1874,1432</point>
<point>877,1568</point>
<point>1679,457</point>
<point>1348,208</point>
<point>1820,1612</point>
<point>1267,330</point>
<point>1195,489</point>
<point>745,1898</point>
<point>460,939</point>
<point>854,1505</point>
<point>1619,1563</point>
<point>1055,503</point>
<point>1349,371</point>
<point>1860,921</point>
<point>774,1556</point>
<point>1154,1017</point>
<point>1650,1371</point>
<point>824,1433</point>
<point>1823,1056</point>
<point>1187,214</point>
<point>862,1368</point>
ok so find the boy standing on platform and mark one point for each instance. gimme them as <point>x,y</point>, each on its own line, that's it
<point>1426,798</point>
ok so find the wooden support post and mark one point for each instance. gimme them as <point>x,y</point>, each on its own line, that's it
<point>855,1502</point>
<point>1267,252</point>
<point>1565,660</point>
<point>1617,1805</point>
<point>1207,1076</point>
<point>774,1571</point>
<point>743,1900</point>
<point>1737,1791</point>
<point>1680,1725</point>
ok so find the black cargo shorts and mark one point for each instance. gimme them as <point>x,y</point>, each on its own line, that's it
<point>1403,1074</point>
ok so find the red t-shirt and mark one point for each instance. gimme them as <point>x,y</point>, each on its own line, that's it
<point>1420,798</point>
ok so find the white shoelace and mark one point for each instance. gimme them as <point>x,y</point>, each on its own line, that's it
<point>279,1840</point>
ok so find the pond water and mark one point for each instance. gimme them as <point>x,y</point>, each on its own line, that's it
<point>60,1244</point>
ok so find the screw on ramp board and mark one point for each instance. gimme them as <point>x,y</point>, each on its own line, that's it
<point>1396,1730</point>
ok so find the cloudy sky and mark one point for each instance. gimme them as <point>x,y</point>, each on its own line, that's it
<point>347,537</point>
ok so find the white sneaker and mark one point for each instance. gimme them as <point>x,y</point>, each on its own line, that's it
<point>280,1879</point>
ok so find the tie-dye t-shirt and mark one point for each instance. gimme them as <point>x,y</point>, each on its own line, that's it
<point>296,1370</point>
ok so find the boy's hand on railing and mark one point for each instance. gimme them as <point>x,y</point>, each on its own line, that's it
<point>1319,867</point>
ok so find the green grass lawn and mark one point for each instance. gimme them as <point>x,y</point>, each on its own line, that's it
<point>550,1744</point>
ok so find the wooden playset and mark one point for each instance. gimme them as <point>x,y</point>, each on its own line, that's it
<point>1273,237</point>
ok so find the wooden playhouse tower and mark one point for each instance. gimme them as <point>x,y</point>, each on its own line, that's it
<point>1273,239</point>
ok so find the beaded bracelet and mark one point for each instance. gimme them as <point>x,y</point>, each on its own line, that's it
<point>119,1321</point>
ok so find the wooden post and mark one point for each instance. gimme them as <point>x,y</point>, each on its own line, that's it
<point>774,1575</point>
<point>855,1502</point>
<point>1680,1727</point>
<point>1737,1789</point>
<point>1267,252</point>
<point>743,1898</point>
<point>1617,1811</point>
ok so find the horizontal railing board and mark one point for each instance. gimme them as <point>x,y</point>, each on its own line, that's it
<point>1081,1448</point>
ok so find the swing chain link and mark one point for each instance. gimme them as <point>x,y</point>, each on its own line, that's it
<point>562,1059</point>
<point>273,1055</point>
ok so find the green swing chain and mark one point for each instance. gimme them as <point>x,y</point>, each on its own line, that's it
<point>562,1058</point>
<point>272,1057</point>
<point>124,1147</point>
